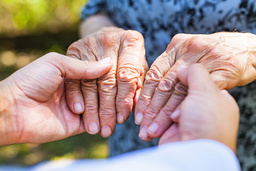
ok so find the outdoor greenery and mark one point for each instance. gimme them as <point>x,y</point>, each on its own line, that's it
<point>37,16</point>
<point>28,30</point>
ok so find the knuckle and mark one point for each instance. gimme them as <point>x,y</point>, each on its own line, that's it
<point>153,75</point>
<point>109,39</point>
<point>145,99</point>
<point>89,84</point>
<point>72,90</point>
<point>75,49</point>
<point>178,37</point>
<point>52,54</point>
<point>72,82</point>
<point>107,113</point>
<point>150,113</point>
<point>51,57</point>
<point>196,44</point>
<point>166,111</point>
<point>133,36</point>
<point>90,108</point>
<point>124,102</point>
<point>107,85</point>
<point>128,74</point>
<point>72,93</point>
<point>72,85</point>
<point>180,90</point>
<point>166,85</point>
<point>175,40</point>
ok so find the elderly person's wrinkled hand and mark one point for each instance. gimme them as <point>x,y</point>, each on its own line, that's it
<point>206,112</point>
<point>229,58</point>
<point>33,105</point>
<point>108,100</point>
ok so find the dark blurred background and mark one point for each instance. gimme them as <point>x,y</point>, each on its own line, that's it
<point>28,30</point>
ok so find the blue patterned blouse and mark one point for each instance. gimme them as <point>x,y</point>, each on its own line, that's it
<point>159,21</point>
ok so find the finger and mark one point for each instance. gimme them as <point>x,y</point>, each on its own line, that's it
<point>89,91</point>
<point>171,135</point>
<point>139,89</point>
<point>163,120</point>
<point>107,98</point>
<point>107,45</point>
<point>136,97</point>
<point>197,78</point>
<point>130,63</point>
<point>76,69</point>
<point>160,97</point>
<point>163,93</point>
<point>74,94</point>
<point>153,77</point>
<point>175,116</point>
<point>90,115</point>
<point>143,134</point>
<point>228,97</point>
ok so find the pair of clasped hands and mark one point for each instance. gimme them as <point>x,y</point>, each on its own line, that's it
<point>100,82</point>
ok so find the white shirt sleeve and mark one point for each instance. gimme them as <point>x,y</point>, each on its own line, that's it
<point>181,156</point>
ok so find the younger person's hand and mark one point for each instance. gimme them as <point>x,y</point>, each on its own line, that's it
<point>33,103</point>
<point>206,112</point>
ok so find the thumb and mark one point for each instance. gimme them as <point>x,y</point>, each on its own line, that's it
<point>197,78</point>
<point>76,69</point>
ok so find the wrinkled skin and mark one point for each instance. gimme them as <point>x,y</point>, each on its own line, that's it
<point>109,99</point>
<point>214,114</point>
<point>33,106</point>
<point>228,57</point>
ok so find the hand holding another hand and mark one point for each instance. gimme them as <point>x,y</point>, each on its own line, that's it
<point>33,104</point>
<point>206,112</point>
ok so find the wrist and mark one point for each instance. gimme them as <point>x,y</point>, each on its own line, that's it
<point>94,23</point>
<point>8,125</point>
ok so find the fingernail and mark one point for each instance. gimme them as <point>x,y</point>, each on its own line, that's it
<point>120,118</point>
<point>78,108</point>
<point>138,118</point>
<point>93,128</point>
<point>175,115</point>
<point>106,131</point>
<point>143,133</point>
<point>153,128</point>
<point>105,60</point>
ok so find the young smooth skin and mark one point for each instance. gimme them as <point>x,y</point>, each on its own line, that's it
<point>206,112</point>
<point>33,103</point>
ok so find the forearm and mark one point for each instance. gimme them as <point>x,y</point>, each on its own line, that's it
<point>94,23</point>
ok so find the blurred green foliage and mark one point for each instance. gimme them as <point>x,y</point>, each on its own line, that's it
<point>28,30</point>
<point>19,17</point>
<point>77,147</point>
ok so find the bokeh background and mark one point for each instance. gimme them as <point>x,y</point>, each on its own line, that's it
<point>28,30</point>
